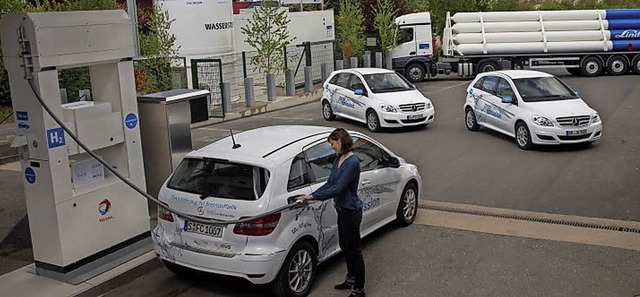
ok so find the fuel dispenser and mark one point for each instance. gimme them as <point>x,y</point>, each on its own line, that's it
<point>83,219</point>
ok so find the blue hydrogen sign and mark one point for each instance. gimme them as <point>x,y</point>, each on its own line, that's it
<point>30,175</point>
<point>55,137</point>
<point>131,121</point>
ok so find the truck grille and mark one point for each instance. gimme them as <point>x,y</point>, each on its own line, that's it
<point>412,107</point>
<point>574,121</point>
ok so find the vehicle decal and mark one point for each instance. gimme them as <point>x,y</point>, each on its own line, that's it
<point>208,207</point>
<point>371,196</point>
<point>492,109</point>
<point>324,240</point>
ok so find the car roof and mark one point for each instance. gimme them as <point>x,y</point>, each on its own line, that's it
<point>516,74</point>
<point>364,71</point>
<point>266,143</point>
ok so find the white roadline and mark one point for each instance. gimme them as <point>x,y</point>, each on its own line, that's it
<point>531,229</point>
<point>450,87</point>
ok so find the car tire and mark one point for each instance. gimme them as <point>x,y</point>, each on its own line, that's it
<point>415,73</point>
<point>408,206</point>
<point>327,111</point>
<point>302,260</point>
<point>591,66</point>
<point>470,120</point>
<point>635,64</point>
<point>373,121</point>
<point>617,65</point>
<point>523,136</point>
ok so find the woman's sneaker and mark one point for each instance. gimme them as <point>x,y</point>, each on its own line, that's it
<point>347,284</point>
<point>357,293</point>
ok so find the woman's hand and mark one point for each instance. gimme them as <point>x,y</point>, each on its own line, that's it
<point>304,198</point>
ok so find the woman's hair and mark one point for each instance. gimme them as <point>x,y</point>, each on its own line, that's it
<point>346,142</point>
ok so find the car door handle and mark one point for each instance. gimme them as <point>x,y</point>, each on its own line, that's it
<point>412,53</point>
<point>365,182</point>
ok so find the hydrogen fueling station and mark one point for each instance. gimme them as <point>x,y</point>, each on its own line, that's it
<point>82,162</point>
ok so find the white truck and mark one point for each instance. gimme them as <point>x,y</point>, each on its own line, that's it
<point>585,42</point>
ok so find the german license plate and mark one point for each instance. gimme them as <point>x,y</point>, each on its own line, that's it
<point>414,116</point>
<point>211,230</point>
<point>576,132</point>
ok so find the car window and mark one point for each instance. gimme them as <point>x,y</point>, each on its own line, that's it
<point>340,79</point>
<point>371,156</point>
<point>220,179</point>
<point>405,35</point>
<point>387,82</point>
<point>478,84</point>
<point>489,84</point>
<point>298,174</point>
<point>504,88</point>
<point>320,158</point>
<point>355,83</point>
<point>533,89</point>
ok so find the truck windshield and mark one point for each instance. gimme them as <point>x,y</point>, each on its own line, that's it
<point>387,82</point>
<point>219,179</point>
<point>533,89</point>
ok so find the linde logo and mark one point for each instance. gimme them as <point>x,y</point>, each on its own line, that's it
<point>629,34</point>
<point>218,26</point>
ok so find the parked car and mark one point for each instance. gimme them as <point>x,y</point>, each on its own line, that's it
<point>532,106</point>
<point>262,170</point>
<point>379,98</point>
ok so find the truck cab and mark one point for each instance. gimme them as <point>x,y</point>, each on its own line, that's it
<point>413,55</point>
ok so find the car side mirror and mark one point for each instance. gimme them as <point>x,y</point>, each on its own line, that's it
<point>393,162</point>
<point>577,94</point>
<point>507,99</point>
<point>360,92</point>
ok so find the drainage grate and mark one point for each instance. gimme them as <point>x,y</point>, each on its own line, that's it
<point>531,219</point>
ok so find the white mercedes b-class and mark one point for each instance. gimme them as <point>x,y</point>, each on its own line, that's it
<point>379,98</point>
<point>260,172</point>
<point>532,106</point>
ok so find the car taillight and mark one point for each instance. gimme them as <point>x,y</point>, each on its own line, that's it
<point>164,214</point>
<point>258,227</point>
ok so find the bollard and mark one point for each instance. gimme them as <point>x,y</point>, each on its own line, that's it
<point>379,60</point>
<point>339,64</point>
<point>367,60</point>
<point>308,78</point>
<point>389,62</point>
<point>249,95</point>
<point>271,87</point>
<point>324,72</point>
<point>290,82</point>
<point>226,96</point>
<point>354,62</point>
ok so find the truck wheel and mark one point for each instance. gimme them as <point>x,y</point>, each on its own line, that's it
<point>415,72</point>
<point>487,66</point>
<point>617,65</point>
<point>591,66</point>
<point>635,65</point>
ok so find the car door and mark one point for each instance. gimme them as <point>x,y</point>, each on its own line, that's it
<point>485,101</point>
<point>338,85</point>
<point>379,183</point>
<point>319,160</point>
<point>506,121</point>
<point>359,101</point>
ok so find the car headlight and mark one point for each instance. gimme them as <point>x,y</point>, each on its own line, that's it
<point>596,117</point>
<point>542,121</point>
<point>388,108</point>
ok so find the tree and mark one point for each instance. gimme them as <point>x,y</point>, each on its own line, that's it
<point>349,24</point>
<point>268,34</point>
<point>384,22</point>
<point>7,6</point>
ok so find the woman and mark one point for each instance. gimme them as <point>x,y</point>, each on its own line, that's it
<point>342,186</point>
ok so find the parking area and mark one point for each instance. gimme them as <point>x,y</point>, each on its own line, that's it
<point>478,169</point>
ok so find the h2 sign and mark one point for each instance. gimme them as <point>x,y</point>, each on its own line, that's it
<point>55,137</point>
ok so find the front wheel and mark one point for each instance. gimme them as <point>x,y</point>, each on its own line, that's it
<point>297,272</point>
<point>415,73</point>
<point>523,137</point>
<point>373,122</point>
<point>408,206</point>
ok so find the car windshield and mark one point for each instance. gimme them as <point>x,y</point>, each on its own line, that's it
<point>220,179</point>
<point>533,89</point>
<point>387,82</point>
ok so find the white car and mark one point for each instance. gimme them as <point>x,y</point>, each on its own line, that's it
<point>262,170</point>
<point>532,106</point>
<point>379,98</point>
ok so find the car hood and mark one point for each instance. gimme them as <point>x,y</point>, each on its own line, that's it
<point>405,97</point>
<point>561,108</point>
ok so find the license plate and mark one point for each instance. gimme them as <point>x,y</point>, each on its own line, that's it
<point>211,230</point>
<point>576,132</point>
<point>414,116</point>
